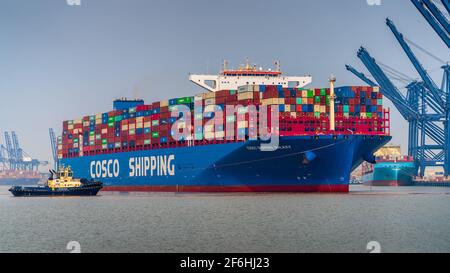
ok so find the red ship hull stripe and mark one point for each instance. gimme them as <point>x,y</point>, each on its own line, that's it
<point>258,188</point>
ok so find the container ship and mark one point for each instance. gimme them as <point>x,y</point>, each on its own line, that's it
<point>224,140</point>
<point>19,177</point>
<point>392,168</point>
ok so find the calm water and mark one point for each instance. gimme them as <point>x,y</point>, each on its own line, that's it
<point>400,219</point>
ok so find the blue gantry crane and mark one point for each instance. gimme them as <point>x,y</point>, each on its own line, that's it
<point>432,15</point>
<point>425,106</point>
<point>13,157</point>
<point>53,143</point>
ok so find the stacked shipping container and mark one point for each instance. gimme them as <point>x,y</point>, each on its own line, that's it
<point>358,110</point>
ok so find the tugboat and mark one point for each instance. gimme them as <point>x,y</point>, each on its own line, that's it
<point>61,183</point>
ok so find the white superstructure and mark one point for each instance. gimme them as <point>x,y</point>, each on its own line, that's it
<point>248,75</point>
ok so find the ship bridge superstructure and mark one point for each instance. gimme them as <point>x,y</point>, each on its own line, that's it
<point>231,79</point>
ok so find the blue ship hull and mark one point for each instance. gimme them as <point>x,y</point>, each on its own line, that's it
<point>301,163</point>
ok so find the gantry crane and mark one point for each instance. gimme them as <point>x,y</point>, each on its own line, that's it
<point>425,106</point>
<point>13,157</point>
<point>53,143</point>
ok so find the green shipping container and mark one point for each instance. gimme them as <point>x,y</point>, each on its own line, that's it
<point>146,141</point>
<point>111,119</point>
<point>198,136</point>
<point>110,124</point>
<point>310,93</point>
<point>118,118</point>
<point>369,115</point>
<point>104,141</point>
<point>232,92</point>
<point>117,145</point>
<point>345,108</point>
<point>317,99</point>
<point>132,110</point>
<point>323,92</point>
<point>317,114</point>
<point>299,100</point>
<point>155,134</point>
<point>155,122</point>
<point>379,102</point>
<point>184,100</point>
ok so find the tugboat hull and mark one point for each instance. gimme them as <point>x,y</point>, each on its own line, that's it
<point>87,189</point>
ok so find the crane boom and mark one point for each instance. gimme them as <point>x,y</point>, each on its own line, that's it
<point>429,83</point>
<point>360,75</point>
<point>438,15</point>
<point>432,21</point>
<point>54,147</point>
<point>387,87</point>
<point>446,4</point>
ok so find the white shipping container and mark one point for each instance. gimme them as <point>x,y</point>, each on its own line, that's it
<point>209,128</point>
<point>242,124</point>
<point>245,95</point>
<point>220,134</point>
<point>209,95</point>
<point>209,135</point>
<point>210,101</point>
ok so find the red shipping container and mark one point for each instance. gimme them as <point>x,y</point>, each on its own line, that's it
<point>164,109</point>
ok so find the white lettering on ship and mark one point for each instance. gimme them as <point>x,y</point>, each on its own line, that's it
<point>105,168</point>
<point>160,165</point>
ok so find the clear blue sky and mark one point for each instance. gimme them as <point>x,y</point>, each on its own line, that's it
<point>61,62</point>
